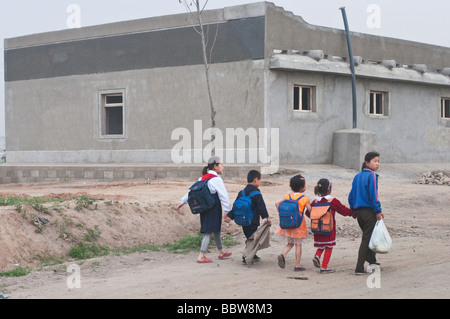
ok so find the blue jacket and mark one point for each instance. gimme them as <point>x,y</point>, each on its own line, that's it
<point>364,191</point>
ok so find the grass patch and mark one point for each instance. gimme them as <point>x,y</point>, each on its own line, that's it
<point>85,202</point>
<point>185,245</point>
<point>193,243</point>
<point>37,202</point>
<point>32,201</point>
<point>18,272</point>
<point>87,251</point>
<point>130,250</point>
<point>189,243</point>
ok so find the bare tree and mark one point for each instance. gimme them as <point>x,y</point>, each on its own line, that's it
<point>195,10</point>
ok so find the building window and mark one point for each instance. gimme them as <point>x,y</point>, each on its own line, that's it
<point>445,108</point>
<point>112,114</point>
<point>303,98</point>
<point>378,104</point>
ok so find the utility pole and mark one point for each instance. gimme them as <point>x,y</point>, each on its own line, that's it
<point>352,67</point>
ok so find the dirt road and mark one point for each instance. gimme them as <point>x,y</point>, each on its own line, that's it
<point>417,217</point>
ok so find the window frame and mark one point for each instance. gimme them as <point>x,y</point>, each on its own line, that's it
<point>372,108</point>
<point>103,95</point>
<point>301,108</point>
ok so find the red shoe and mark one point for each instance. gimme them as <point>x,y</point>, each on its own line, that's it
<point>204,261</point>
<point>225,256</point>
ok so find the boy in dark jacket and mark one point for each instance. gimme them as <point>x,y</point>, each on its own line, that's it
<point>258,206</point>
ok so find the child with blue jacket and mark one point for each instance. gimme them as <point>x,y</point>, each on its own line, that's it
<point>363,200</point>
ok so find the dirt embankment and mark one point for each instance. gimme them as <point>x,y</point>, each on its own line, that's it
<point>117,215</point>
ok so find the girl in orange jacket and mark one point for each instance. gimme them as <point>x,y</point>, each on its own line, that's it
<point>297,235</point>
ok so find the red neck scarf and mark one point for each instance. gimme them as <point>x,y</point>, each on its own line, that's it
<point>208,177</point>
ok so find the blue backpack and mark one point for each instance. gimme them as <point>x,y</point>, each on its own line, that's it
<point>242,208</point>
<point>289,211</point>
<point>200,199</point>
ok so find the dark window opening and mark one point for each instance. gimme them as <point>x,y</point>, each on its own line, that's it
<point>303,98</point>
<point>114,121</point>
<point>114,99</point>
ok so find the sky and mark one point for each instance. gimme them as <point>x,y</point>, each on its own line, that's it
<point>416,20</point>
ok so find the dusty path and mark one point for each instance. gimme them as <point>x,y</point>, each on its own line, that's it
<point>418,267</point>
<point>162,275</point>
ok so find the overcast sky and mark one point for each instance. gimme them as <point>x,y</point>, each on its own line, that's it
<point>417,20</point>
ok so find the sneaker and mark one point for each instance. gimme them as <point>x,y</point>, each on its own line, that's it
<point>316,262</point>
<point>361,272</point>
<point>327,271</point>
<point>256,258</point>
<point>281,261</point>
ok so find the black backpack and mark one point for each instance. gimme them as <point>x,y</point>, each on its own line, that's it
<point>200,199</point>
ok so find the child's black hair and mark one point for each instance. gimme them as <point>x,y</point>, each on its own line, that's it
<point>322,187</point>
<point>297,183</point>
<point>369,156</point>
<point>252,175</point>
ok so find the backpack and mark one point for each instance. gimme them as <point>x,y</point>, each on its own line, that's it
<point>322,220</point>
<point>289,212</point>
<point>200,199</point>
<point>242,208</point>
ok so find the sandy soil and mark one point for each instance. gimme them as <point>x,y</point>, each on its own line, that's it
<point>143,212</point>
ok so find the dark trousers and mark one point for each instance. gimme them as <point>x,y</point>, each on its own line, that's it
<point>249,230</point>
<point>366,220</point>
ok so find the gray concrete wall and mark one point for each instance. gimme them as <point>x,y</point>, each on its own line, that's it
<point>60,117</point>
<point>308,137</point>
<point>412,131</point>
<point>54,81</point>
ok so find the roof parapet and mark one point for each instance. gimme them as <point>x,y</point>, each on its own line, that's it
<point>319,55</point>
<point>314,61</point>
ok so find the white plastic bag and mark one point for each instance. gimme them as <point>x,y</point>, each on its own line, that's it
<point>380,242</point>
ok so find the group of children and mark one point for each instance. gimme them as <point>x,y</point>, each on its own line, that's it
<point>363,201</point>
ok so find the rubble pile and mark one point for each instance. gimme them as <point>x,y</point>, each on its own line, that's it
<point>435,177</point>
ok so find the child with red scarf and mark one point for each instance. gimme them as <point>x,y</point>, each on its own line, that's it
<point>325,242</point>
<point>211,221</point>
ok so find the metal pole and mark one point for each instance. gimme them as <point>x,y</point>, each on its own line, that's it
<point>352,67</point>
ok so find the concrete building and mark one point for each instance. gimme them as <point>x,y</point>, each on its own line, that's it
<point>115,93</point>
